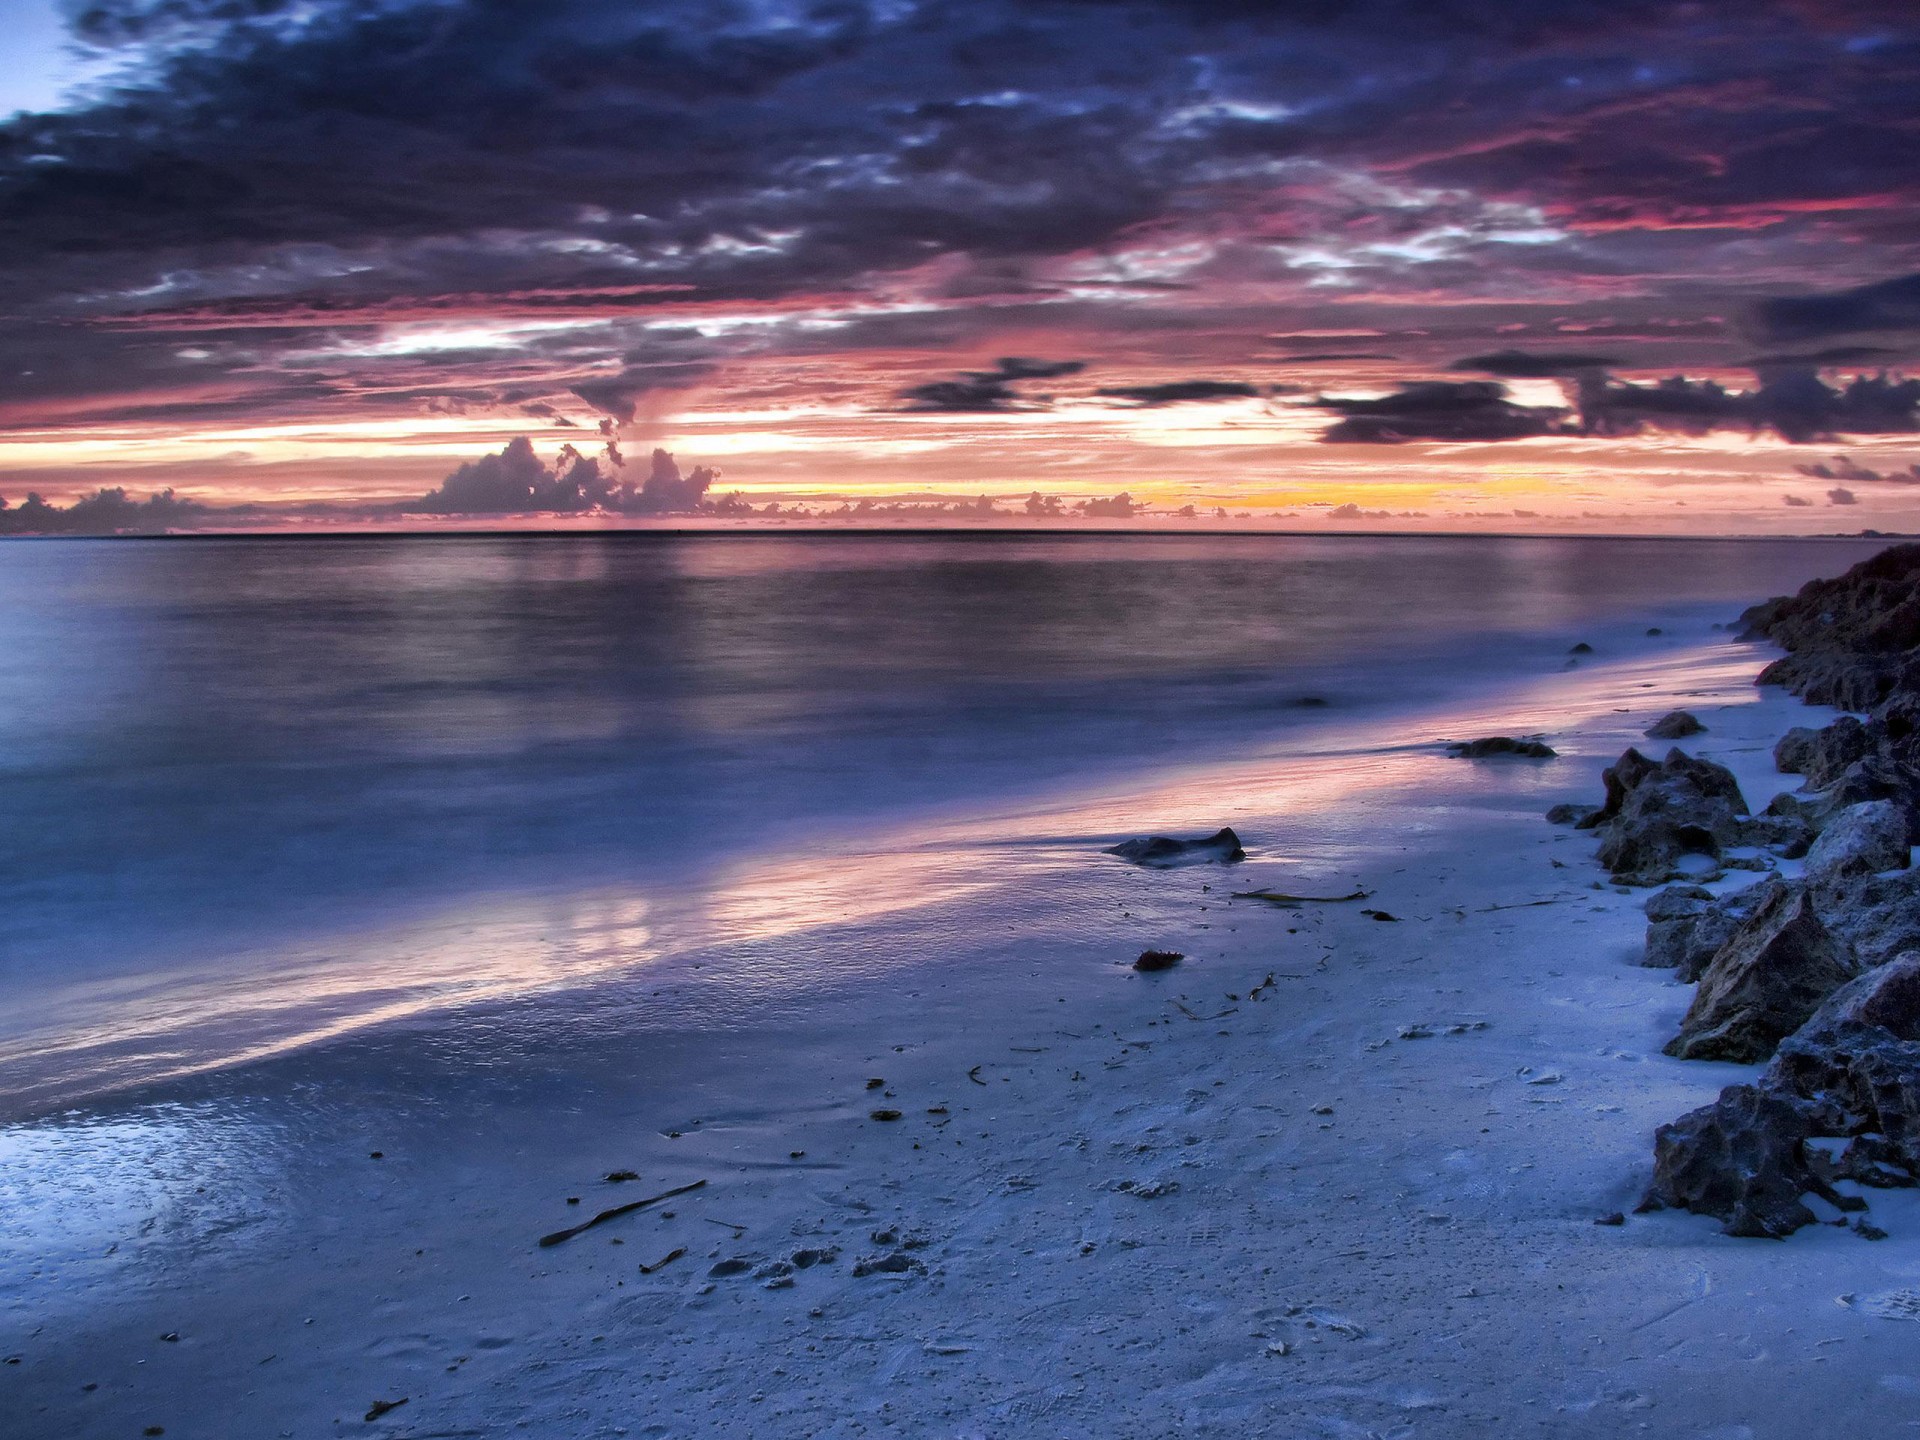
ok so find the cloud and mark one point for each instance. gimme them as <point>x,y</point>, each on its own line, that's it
<point>1178,392</point>
<point>1843,468</point>
<point>1821,359</point>
<point>1840,495</point>
<point>1794,500</point>
<point>984,392</point>
<point>105,512</point>
<point>1115,507</point>
<point>1796,404</point>
<point>1885,305</point>
<point>1521,365</point>
<point>1442,410</point>
<point>515,481</point>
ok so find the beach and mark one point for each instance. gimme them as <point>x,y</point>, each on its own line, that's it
<point>1333,1174</point>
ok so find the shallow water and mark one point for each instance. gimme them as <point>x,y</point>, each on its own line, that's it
<point>520,760</point>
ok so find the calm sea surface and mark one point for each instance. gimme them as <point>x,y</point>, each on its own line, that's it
<point>244,742</point>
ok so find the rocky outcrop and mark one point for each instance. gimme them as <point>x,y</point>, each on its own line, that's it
<point>1841,1101</point>
<point>1675,725</point>
<point>1656,812</point>
<point>1765,982</point>
<point>1864,839</point>
<point>1687,925</point>
<point>1161,852</point>
<point>1497,745</point>
<point>1822,756</point>
<point>1742,1160</point>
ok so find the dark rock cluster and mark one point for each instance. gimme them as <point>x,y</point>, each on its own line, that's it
<point>1819,976</point>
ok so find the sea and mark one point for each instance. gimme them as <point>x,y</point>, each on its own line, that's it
<point>257,793</point>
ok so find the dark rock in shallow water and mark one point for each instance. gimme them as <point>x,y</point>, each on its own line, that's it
<point>1494,745</point>
<point>1772,973</point>
<point>1675,725</point>
<point>1569,813</point>
<point>1163,853</point>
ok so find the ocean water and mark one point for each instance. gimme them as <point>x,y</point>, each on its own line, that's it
<point>221,760</point>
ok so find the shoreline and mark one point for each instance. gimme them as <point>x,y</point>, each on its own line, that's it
<point>1177,1239</point>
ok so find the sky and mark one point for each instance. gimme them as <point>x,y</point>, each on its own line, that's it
<point>1573,265</point>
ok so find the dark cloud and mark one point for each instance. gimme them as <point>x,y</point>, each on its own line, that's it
<point>1444,410</point>
<point>1327,357</point>
<point>1822,359</point>
<point>283,180</point>
<point>1796,404</point>
<point>1795,500</point>
<point>1522,365</point>
<point>1885,305</point>
<point>1842,468</point>
<point>980,392</point>
<point>1840,495</point>
<point>1176,392</point>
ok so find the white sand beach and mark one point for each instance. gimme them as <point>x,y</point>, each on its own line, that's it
<point>1333,1175</point>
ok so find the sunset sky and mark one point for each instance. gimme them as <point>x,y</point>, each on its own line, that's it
<point>1422,264</point>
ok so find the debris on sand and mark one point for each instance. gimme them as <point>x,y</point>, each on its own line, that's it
<point>605,1215</point>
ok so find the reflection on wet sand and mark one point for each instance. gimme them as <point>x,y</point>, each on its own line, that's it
<point>769,922</point>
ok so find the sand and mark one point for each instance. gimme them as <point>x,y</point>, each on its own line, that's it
<point>1332,1175</point>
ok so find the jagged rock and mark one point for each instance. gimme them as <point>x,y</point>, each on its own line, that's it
<point>1657,811</point>
<point>1887,996</point>
<point>1822,755</point>
<point>1772,973</point>
<point>1494,745</point>
<point>1878,915</point>
<point>1849,640</point>
<point>1687,925</point>
<point>1741,1160</point>
<point>1569,813</point>
<point>1856,1081</point>
<point>1160,852</point>
<point>1862,839</point>
<point>1675,725</point>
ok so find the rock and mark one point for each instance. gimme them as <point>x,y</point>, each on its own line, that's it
<point>1741,1160</point>
<point>1686,925</point>
<point>1161,852</point>
<point>1886,997</point>
<point>1151,960</point>
<point>1822,755</point>
<point>1768,978</point>
<point>1878,915</point>
<point>1858,1081</point>
<point>1569,813</point>
<point>1656,812</point>
<point>1494,745</point>
<point>1675,725</point>
<point>1862,839</point>
<point>1580,648</point>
